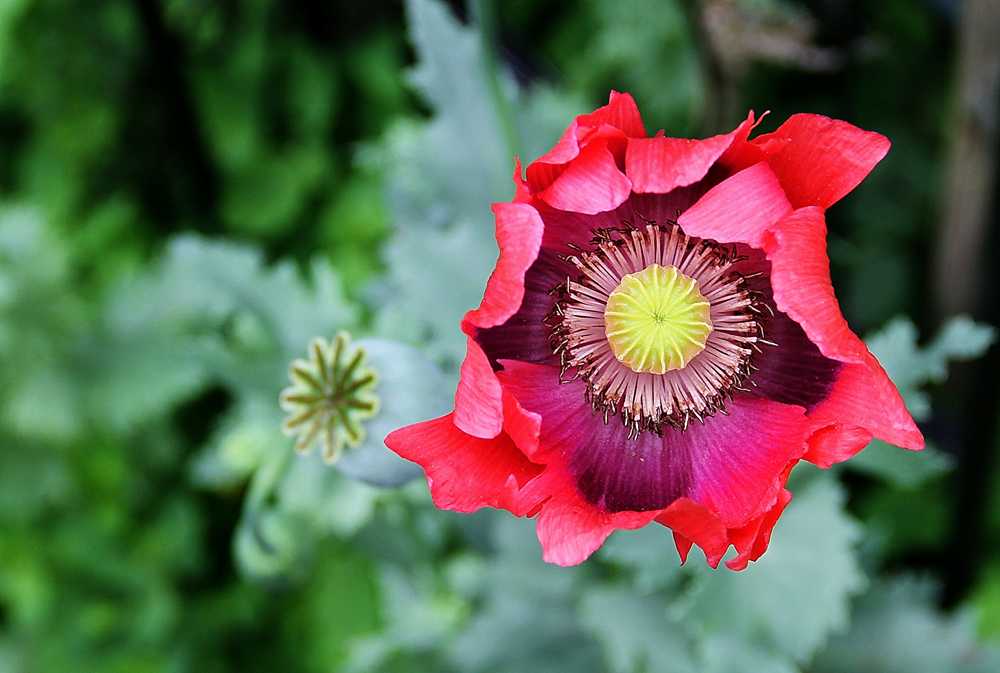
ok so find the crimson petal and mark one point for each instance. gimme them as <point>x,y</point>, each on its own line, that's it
<point>591,183</point>
<point>465,473</point>
<point>800,281</point>
<point>617,120</point>
<point>819,160</point>
<point>660,164</point>
<point>478,403</point>
<point>741,209</point>
<point>862,400</point>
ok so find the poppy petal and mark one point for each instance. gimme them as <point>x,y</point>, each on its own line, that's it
<point>522,194</point>
<point>800,280</point>
<point>465,473</point>
<point>592,183</point>
<point>863,397</point>
<point>752,540</point>
<point>478,404</point>
<point>620,112</point>
<point>820,160</point>
<point>795,371</point>
<point>836,443</point>
<point>740,209</point>
<point>569,528</point>
<point>618,119</point>
<point>740,458</point>
<point>524,335</point>
<point>519,230</point>
<point>692,523</point>
<point>479,397</point>
<point>661,164</point>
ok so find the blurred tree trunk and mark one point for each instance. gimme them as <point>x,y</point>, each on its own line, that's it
<point>972,165</point>
<point>965,280</point>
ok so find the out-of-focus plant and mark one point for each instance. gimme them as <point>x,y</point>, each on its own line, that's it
<point>141,457</point>
<point>124,120</point>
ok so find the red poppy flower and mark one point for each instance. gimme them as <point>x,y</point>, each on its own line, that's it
<point>660,340</point>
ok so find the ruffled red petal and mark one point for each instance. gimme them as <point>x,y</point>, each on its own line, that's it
<point>522,426</point>
<point>620,112</point>
<point>740,209</point>
<point>862,401</point>
<point>479,397</point>
<point>465,473</point>
<point>524,335</point>
<point>751,541</point>
<point>519,230</point>
<point>522,193</point>
<point>819,160</point>
<point>659,165</point>
<point>832,444</point>
<point>616,121</point>
<point>569,528</point>
<point>800,280</point>
<point>590,184</point>
<point>693,524</point>
<point>743,153</point>
<point>863,398</point>
<point>478,403</point>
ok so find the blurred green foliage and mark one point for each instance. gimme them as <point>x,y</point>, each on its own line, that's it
<point>192,191</point>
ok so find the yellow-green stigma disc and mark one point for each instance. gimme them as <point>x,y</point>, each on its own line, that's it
<point>657,320</point>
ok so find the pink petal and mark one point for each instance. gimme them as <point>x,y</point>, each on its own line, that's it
<point>569,528</point>
<point>740,209</point>
<point>616,121</point>
<point>464,473</point>
<point>620,112</point>
<point>683,545</point>
<point>742,153</point>
<point>521,425</point>
<point>822,159</point>
<point>836,443</point>
<point>591,183</point>
<point>743,457</point>
<point>478,403</point>
<point>519,237</point>
<point>800,278</point>
<point>693,523</point>
<point>752,540</point>
<point>544,170</point>
<point>479,397</point>
<point>661,164</point>
<point>862,399</point>
<point>522,194</point>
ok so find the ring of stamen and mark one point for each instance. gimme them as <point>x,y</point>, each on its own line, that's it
<point>651,390</point>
